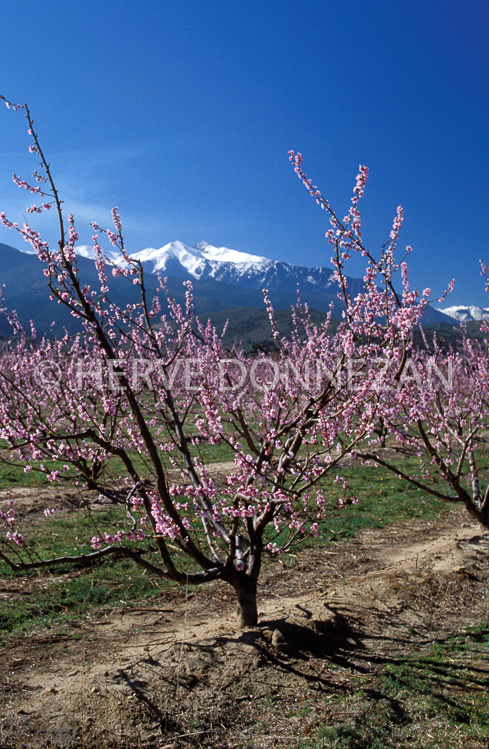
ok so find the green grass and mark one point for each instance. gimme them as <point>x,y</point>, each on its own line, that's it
<point>441,687</point>
<point>13,474</point>
<point>382,498</point>
<point>417,700</point>
<point>68,598</point>
<point>451,676</point>
<point>66,592</point>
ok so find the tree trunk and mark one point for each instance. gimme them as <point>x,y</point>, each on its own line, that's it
<point>479,511</point>
<point>247,610</point>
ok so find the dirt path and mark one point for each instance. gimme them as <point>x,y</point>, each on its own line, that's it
<point>181,675</point>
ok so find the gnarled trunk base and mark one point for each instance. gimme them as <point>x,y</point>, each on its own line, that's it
<point>247,610</point>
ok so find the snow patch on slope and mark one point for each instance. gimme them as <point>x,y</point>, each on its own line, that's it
<point>203,259</point>
<point>465,313</point>
<point>225,255</point>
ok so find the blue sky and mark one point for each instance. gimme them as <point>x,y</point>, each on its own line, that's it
<point>182,115</point>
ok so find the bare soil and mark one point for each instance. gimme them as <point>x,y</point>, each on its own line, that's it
<point>180,674</point>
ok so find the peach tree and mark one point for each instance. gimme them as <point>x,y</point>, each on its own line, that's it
<point>127,407</point>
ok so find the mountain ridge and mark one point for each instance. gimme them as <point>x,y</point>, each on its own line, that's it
<point>465,312</point>
<point>223,279</point>
<point>203,261</point>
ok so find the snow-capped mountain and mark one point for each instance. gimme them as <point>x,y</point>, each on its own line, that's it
<point>223,279</point>
<point>204,261</point>
<point>466,313</point>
